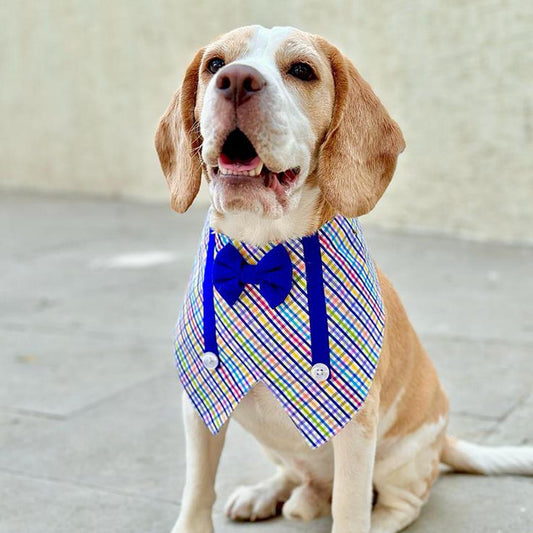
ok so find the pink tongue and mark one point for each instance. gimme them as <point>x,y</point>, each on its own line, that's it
<point>226,162</point>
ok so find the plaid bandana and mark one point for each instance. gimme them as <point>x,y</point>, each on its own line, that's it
<point>314,342</point>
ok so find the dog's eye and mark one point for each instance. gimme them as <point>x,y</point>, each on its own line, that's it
<point>215,64</point>
<point>302,71</point>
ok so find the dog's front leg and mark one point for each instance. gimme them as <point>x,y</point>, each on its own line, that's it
<point>354,450</point>
<point>202,456</point>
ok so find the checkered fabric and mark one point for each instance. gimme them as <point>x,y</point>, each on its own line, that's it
<point>273,345</point>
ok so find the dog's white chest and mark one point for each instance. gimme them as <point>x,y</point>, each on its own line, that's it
<point>261,415</point>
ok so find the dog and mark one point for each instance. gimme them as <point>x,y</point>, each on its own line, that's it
<point>289,137</point>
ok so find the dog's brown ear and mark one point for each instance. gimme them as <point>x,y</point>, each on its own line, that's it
<point>358,156</point>
<point>178,141</point>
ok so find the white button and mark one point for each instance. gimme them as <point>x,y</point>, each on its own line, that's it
<point>210,360</point>
<point>320,372</point>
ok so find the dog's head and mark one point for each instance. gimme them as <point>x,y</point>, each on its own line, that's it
<point>270,116</point>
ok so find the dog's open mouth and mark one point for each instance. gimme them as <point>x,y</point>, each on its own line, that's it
<point>239,160</point>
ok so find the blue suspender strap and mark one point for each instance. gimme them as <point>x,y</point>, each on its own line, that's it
<point>210,335</point>
<point>318,321</point>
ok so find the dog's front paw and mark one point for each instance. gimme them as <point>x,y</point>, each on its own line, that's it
<point>257,502</point>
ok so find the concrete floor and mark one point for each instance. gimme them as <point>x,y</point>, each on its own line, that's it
<point>90,431</point>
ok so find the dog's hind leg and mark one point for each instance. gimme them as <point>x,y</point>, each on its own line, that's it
<point>260,501</point>
<point>396,509</point>
<point>404,477</point>
<point>401,509</point>
<point>203,454</point>
<point>308,502</point>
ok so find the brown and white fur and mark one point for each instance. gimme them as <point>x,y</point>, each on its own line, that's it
<point>327,146</point>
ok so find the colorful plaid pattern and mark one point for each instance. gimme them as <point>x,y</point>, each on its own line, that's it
<point>258,343</point>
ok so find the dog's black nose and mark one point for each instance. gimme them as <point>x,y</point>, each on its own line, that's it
<point>239,83</point>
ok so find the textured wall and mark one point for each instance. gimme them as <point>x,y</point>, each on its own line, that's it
<point>84,82</point>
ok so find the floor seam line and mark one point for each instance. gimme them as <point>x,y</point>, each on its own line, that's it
<point>76,412</point>
<point>81,484</point>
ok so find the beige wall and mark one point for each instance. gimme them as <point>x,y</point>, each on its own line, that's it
<point>84,82</point>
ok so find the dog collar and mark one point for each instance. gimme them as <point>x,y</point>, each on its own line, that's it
<point>305,317</point>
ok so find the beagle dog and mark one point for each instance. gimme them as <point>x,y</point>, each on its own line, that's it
<point>289,138</point>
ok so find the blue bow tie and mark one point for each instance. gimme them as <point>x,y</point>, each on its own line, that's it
<point>273,274</point>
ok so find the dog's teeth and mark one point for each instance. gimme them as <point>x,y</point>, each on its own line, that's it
<point>223,171</point>
<point>257,170</point>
